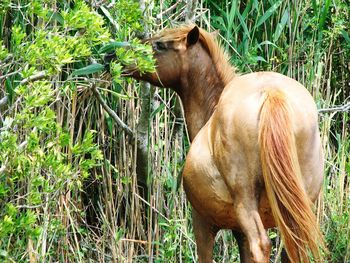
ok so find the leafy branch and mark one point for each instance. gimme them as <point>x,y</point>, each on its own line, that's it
<point>111,113</point>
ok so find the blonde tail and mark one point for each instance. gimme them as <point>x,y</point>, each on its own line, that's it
<point>290,205</point>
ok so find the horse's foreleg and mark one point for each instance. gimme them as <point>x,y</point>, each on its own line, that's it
<point>205,237</point>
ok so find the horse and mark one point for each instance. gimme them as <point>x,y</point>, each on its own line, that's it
<point>256,160</point>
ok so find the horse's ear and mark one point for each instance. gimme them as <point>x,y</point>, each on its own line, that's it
<point>193,36</point>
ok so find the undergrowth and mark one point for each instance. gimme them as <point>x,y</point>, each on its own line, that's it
<point>69,184</point>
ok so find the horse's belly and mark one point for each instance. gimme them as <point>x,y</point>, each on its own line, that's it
<point>212,200</point>
<point>210,197</point>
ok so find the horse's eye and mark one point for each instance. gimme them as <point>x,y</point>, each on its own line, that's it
<point>160,46</point>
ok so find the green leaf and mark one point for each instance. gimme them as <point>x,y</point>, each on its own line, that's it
<point>272,235</point>
<point>323,17</point>
<point>112,46</point>
<point>243,24</point>
<point>160,108</point>
<point>56,16</point>
<point>281,26</point>
<point>268,13</point>
<point>247,9</point>
<point>266,42</point>
<point>116,94</point>
<point>345,35</point>
<point>109,16</point>
<point>93,68</point>
<point>260,58</point>
<point>231,15</point>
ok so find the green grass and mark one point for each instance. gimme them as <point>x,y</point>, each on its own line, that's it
<point>68,177</point>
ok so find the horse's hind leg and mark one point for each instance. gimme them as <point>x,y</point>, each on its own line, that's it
<point>284,256</point>
<point>205,238</point>
<point>254,233</point>
<point>243,246</point>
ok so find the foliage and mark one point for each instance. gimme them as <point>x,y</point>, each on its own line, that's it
<point>68,177</point>
<point>46,158</point>
<point>129,15</point>
<point>38,170</point>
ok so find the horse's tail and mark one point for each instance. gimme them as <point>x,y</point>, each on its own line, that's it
<point>290,205</point>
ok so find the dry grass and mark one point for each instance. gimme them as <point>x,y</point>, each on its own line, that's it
<point>110,219</point>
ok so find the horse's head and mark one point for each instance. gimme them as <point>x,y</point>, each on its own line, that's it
<point>170,49</point>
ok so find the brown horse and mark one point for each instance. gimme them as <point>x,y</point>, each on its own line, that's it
<point>256,160</point>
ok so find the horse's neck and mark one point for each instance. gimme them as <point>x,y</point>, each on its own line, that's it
<point>200,93</point>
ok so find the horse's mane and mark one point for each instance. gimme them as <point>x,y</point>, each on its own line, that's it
<point>220,58</point>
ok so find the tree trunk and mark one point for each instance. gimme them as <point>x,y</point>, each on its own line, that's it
<point>142,168</point>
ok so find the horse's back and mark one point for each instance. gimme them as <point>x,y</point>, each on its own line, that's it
<point>245,94</point>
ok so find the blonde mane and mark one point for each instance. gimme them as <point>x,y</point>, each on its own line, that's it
<point>220,58</point>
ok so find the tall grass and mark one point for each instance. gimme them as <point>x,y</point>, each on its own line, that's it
<point>90,208</point>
